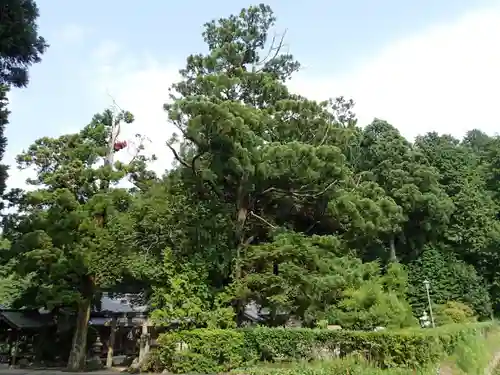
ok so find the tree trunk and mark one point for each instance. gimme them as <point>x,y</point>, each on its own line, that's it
<point>77,357</point>
<point>111,343</point>
<point>392,251</point>
<point>241,217</point>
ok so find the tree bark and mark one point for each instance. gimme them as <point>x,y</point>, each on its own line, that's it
<point>77,357</point>
<point>241,218</point>
<point>111,343</point>
<point>392,251</point>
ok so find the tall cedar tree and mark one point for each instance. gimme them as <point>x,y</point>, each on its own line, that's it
<point>20,44</point>
<point>20,47</point>
<point>68,233</point>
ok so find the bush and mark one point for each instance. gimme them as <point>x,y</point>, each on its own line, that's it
<point>371,306</point>
<point>153,362</point>
<point>454,312</point>
<point>201,350</point>
<point>387,349</point>
<point>347,366</point>
<point>208,351</point>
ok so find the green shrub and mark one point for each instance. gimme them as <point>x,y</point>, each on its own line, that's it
<point>387,349</point>
<point>347,366</point>
<point>454,312</point>
<point>379,301</point>
<point>208,351</point>
<point>201,350</point>
<point>153,362</point>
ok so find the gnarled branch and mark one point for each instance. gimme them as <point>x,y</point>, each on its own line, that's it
<point>299,193</point>
<point>262,219</point>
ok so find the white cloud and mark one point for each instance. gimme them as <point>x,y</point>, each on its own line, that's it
<point>445,79</point>
<point>73,33</point>
<point>105,52</point>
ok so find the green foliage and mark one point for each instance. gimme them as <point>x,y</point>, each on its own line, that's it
<point>346,366</point>
<point>20,44</point>
<point>274,200</point>
<point>152,363</point>
<point>66,233</point>
<point>387,349</point>
<point>471,355</point>
<point>292,218</point>
<point>370,306</point>
<point>205,350</point>
<point>450,280</point>
<point>228,152</point>
<point>68,236</point>
<point>474,355</point>
<point>306,278</point>
<point>184,298</point>
<point>202,350</point>
<point>453,312</point>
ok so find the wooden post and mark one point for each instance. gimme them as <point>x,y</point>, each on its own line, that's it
<point>111,343</point>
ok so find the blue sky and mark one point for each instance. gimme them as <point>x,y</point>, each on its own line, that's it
<point>391,56</point>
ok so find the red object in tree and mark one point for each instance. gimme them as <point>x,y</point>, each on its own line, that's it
<point>119,145</point>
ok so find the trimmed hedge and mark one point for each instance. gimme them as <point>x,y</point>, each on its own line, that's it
<point>348,366</point>
<point>217,350</point>
<point>202,350</point>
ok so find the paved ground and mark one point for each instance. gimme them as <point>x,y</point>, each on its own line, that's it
<point>9,371</point>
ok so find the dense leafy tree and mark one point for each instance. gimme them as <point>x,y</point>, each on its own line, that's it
<point>310,279</point>
<point>67,235</point>
<point>465,173</point>
<point>450,280</point>
<point>243,133</point>
<point>411,182</point>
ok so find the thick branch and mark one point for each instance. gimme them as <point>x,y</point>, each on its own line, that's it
<point>178,157</point>
<point>262,219</point>
<point>184,163</point>
<point>193,165</point>
<point>299,193</point>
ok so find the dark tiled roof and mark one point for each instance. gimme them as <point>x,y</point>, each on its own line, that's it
<point>123,304</point>
<point>26,319</point>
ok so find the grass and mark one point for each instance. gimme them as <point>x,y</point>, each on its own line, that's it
<point>474,355</point>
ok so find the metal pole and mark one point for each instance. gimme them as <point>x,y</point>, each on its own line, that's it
<point>426,282</point>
